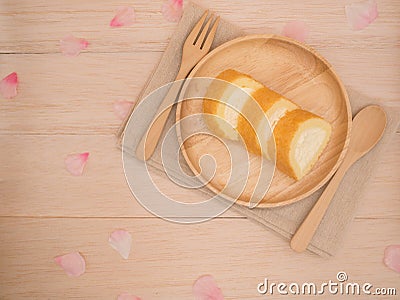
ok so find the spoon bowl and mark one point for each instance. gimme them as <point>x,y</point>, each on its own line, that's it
<point>368,126</point>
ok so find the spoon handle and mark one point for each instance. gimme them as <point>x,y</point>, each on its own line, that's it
<point>305,232</point>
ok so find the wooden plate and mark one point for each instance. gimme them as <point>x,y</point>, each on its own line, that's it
<point>295,71</point>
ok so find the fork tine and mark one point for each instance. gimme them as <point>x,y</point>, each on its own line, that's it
<point>210,37</point>
<point>203,33</point>
<point>196,29</point>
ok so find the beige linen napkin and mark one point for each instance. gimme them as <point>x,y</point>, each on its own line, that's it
<point>283,220</point>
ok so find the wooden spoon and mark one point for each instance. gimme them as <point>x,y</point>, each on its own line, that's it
<point>367,129</point>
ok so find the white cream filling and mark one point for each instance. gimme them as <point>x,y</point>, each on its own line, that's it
<point>236,100</point>
<point>264,133</point>
<point>308,145</point>
<point>233,98</point>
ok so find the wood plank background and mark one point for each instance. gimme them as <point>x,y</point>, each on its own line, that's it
<point>65,105</point>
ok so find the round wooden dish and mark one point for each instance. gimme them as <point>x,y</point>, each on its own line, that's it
<point>295,71</point>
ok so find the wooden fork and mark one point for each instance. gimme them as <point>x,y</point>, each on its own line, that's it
<point>196,46</point>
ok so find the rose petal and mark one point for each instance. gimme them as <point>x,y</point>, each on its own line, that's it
<point>392,257</point>
<point>172,10</point>
<point>121,240</point>
<point>122,108</point>
<point>8,85</point>
<point>125,16</point>
<point>296,30</point>
<point>126,296</point>
<point>75,163</point>
<point>205,288</point>
<point>72,46</point>
<point>72,263</point>
<point>361,14</point>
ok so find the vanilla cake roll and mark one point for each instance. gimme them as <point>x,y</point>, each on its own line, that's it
<point>256,132</point>
<point>271,103</point>
<point>300,136</point>
<point>220,93</point>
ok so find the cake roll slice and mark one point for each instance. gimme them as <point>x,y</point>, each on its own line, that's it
<point>300,137</point>
<point>224,93</point>
<point>274,106</point>
<point>246,122</point>
<point>263,117</point>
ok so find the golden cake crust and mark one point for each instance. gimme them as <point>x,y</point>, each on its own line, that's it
<point>288,122</point>
<point>284,132</point>
<point>265,98</point>
<point>210,106</point>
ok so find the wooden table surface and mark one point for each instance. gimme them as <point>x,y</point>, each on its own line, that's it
<point>64,105</point>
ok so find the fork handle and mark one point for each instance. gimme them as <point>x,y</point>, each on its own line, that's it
<point>149,141</point>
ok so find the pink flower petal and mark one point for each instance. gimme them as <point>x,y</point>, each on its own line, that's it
<point>125,16</point>
<point>75,163</point>
<point>72,263</point>
<point>361,14</point>
<point>121,240</point>
<point>392,257</point>
<point>126,296</point>
<point>172,10</point>
<point>296,30</point>
<point>72,46</point>
<point>8,86</point>
<point>122,108</point>
<point>205,288</point>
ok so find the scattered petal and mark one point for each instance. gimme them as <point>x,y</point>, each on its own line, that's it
<point>72,46</point>
<point>205,288</point>
<point>8,86</point>
<point>296,30</point>
<point>172,10</point>
<point>121,240</point>
<point>392,257</point>
<point>72,263</point>
<point>361,14</point>
<point>125,16</point>
<point>126,296</point>
<point>75,163</point>
<point>122,108</point>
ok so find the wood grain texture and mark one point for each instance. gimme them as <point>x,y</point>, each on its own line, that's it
<point>294,71</point>
<point>57,92</point>
<point>65,105</point>
<point>45,188</point>
<point>166,267</point>
<point>36,162</point>
<point>37,28</point>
